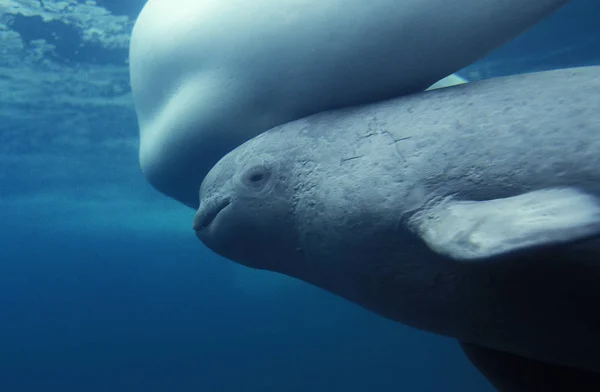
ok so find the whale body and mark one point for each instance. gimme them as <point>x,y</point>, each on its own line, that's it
<point>207,75</point>
<point>471,212</point>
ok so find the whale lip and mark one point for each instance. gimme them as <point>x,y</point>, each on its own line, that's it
<point>206,215</point>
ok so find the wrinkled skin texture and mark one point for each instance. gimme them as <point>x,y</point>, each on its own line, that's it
<point>334,200</point>
<point>207,75</point>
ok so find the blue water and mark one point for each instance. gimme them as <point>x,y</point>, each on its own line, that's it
<point>103,286</point>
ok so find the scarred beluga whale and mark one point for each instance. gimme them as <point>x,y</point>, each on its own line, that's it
<point>471,211</point>
<point>207,75</point>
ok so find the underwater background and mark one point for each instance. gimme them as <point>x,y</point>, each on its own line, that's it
<point>103,285</point>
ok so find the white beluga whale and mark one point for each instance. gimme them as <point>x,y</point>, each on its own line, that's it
<point>207,75</point>
<point>471,211</point>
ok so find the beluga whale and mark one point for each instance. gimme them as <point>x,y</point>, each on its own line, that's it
<point>208,75</point>
<point>471,212</point>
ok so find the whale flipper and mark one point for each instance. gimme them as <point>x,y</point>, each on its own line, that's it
<point>476,230</point>
<point>448,81</point>
<point>512,373</point>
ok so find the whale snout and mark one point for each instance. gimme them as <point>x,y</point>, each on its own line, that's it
<point>208,212</point>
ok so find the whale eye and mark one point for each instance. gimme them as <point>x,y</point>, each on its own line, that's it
<point>256,177</point>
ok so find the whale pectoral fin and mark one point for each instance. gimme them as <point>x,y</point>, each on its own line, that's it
<point>448,81</point>
<point>512,373</point>
<point>476,230</point>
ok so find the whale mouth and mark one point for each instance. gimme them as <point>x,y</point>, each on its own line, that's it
<point>205,216</point>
